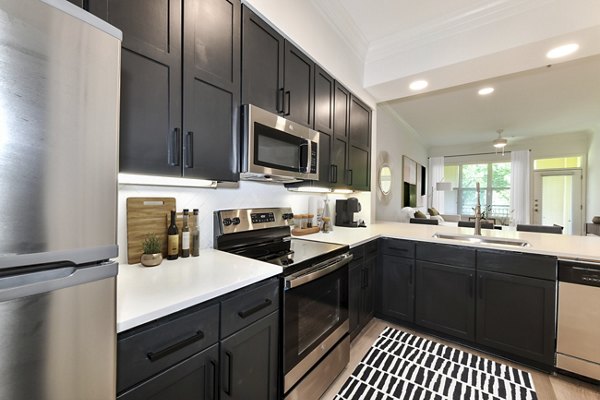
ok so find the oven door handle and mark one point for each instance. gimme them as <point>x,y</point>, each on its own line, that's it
<point>327,268</point>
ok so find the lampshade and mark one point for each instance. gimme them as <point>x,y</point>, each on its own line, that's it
<point>443,186</point>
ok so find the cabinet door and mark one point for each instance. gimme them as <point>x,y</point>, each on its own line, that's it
<point>324,101</point>
<point>249,361</point>
<point>211,90</point>
<point>150,132</point>
<point>359,123</point>
<point>298,81</point>
<point>517,315</point>
<point>358,171</point>
<point>445,299</point>
<point>324,92</point>
<point>192,379</point>
<point>354,294</point>
<point>367,307</point>
<point>262,64</point>
<point>396,294</point>
<point>339,162</point>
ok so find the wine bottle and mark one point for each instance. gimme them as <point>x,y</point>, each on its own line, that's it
<point>185,235</point>
<point>196,236</point>
<point>173,238</point>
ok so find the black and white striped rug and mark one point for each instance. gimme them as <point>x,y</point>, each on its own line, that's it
<point>404,366</point>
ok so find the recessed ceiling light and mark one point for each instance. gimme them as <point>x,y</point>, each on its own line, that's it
<point>418,85</point>
<point>562,51</point>
<point>485,90</point>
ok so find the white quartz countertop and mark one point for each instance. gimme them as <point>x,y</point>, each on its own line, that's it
<point>147,293</point>
<point>566,246</point>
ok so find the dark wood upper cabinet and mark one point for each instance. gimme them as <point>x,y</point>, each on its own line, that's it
<point>324,105</point>
<point>276,75</point>
<point>359,123</point>
<point>339,156</point>
<point>175,124</point>
<point>262,63</point>
<point>150,131</point>
<point>298,83</point>
<point>211,89</point>
<point>324,101</point>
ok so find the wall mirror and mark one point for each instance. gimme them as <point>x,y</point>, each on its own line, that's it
<point>385,179</point>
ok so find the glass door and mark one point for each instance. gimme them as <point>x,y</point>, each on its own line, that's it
<point>558,200</point>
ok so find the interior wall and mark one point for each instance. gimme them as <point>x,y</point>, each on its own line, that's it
<point>394,140</point>
<point>593,177</point>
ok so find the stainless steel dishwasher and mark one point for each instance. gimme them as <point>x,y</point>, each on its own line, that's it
<point>578,347</point>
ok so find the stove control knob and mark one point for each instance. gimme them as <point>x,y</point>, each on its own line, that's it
<point>227,221</point>
<point>236,221</point>
<point>287,216</point>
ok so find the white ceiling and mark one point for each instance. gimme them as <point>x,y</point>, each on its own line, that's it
<point>563,98</point>
<point>456,43</point>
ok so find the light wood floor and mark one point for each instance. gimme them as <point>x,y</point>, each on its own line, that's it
<point>547,387</point>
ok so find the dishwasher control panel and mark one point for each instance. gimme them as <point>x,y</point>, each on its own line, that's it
<point>579,272</point>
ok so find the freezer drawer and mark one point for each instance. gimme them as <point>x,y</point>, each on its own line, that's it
<point>58,334</point>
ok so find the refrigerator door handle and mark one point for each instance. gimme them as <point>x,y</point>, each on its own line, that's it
<point>50,279</point>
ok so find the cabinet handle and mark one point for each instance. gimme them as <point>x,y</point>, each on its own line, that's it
<point>410,275</point>
<point>154,356</point>
<point>189,150</point>
<point>349,174</point>
<point>279,104</point>
<point>333,173</point>
<point>212,381</point>
<point>289,103</point>
<point>471,294</point>
<point>255,309</point>
<point>173,148</point>
<point>227,373</point>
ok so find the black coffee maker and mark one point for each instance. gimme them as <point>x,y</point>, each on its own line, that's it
<point>344,213</point>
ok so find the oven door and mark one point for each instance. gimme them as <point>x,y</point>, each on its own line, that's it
<point>315,316</point>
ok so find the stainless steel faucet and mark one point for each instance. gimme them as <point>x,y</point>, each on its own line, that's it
<point>478,213</point>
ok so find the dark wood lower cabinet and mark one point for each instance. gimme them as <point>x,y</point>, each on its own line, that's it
<point>445,299</point>
<point>249,364</point>
<point>396,291</point>
<point>361,291</point>
<point>516,315</point>
<point>192,379</point>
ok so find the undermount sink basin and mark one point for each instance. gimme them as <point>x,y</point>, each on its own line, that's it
<point>483,239</point>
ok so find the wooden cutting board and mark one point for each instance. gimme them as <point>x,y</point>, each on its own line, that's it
<point>146,215</point>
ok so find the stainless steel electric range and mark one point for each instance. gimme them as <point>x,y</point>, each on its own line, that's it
<point>316,345</point>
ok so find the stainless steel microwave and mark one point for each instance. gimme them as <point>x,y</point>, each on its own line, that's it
<point>277,150</point>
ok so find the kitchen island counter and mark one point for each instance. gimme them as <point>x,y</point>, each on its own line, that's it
<point>148,293</point>
<point>566,246</point>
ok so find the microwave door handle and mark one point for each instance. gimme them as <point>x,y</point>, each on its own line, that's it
<point>304,166</point>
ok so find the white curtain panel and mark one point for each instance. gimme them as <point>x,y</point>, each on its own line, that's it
<point>520,189</point>
<point>436,174</point>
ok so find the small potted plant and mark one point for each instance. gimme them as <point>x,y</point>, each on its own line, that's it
<point>152,251</point>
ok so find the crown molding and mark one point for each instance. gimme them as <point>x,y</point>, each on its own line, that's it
<point>340,20</point>
<point>484,13</point>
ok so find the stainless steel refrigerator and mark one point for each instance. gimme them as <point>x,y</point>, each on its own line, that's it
<point>59,112</point>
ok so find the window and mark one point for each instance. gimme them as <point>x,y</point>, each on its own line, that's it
<point>494,181</point>
<point>557,163</point>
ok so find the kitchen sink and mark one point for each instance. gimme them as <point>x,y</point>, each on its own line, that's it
<point>483,239</point>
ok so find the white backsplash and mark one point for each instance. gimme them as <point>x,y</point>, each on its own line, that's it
<point>247,195</point>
